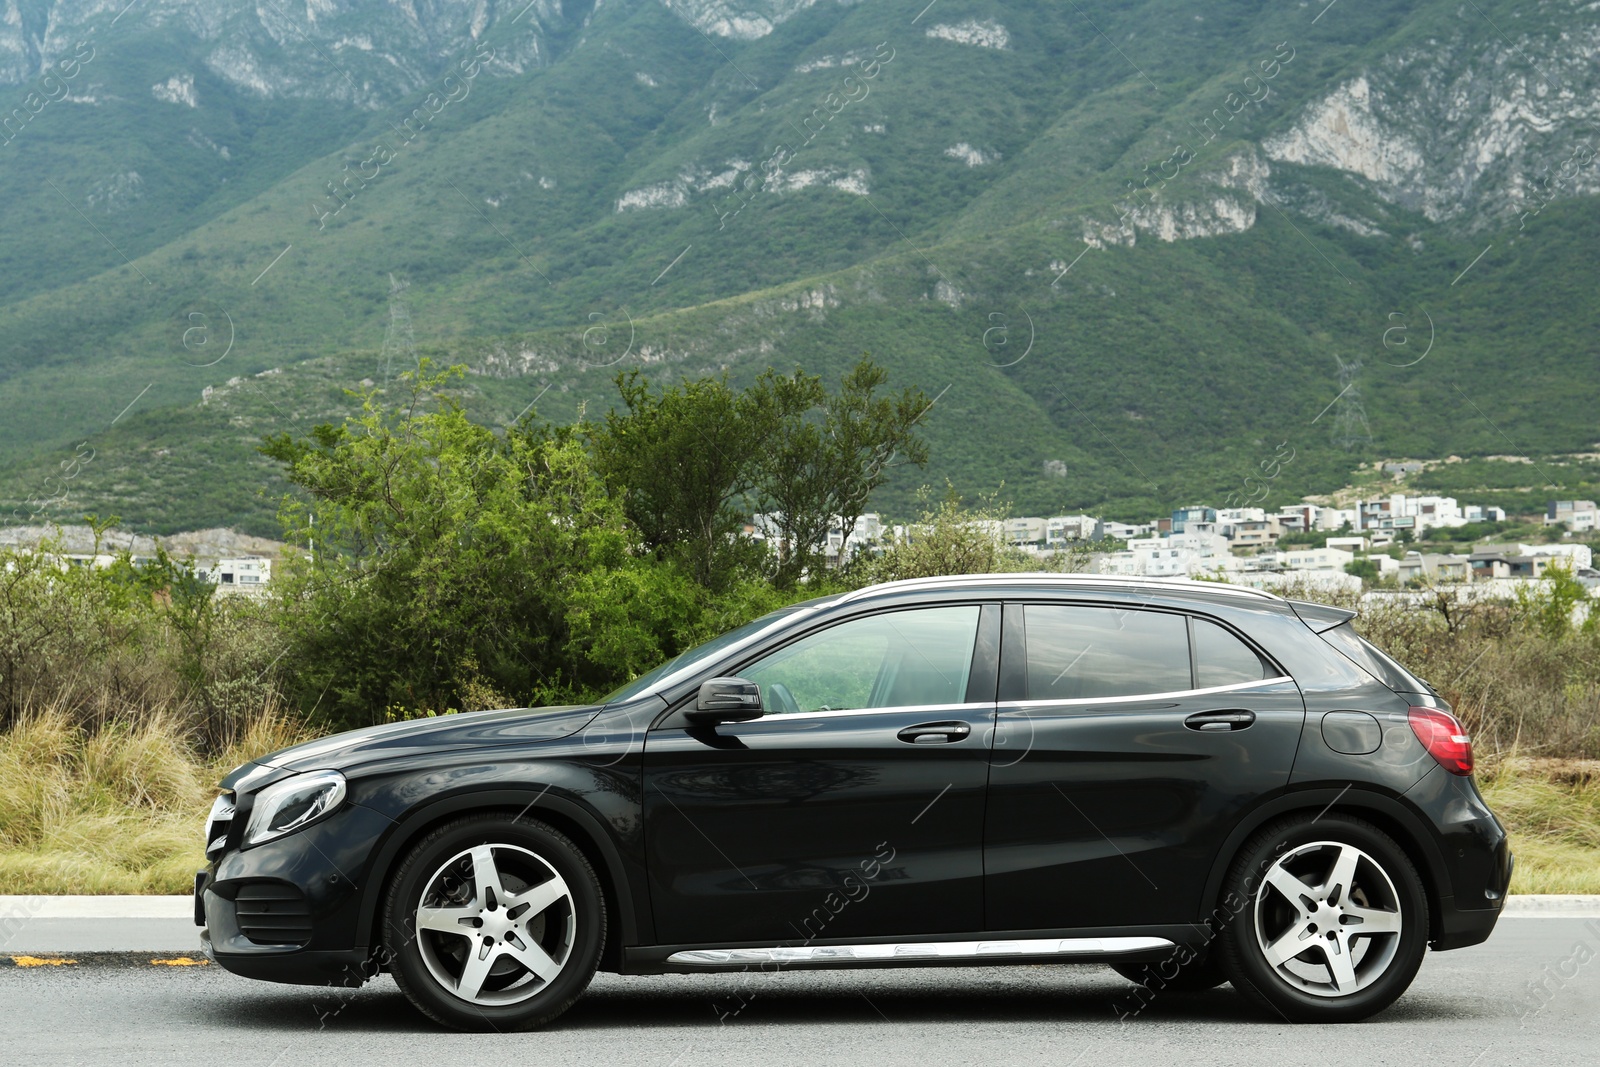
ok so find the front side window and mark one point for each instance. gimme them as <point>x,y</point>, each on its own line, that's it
<point>897,659</point>
<point>700,653</point>
<point>1079,653</point>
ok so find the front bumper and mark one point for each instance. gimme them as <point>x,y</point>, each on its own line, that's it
<point>290,910</point>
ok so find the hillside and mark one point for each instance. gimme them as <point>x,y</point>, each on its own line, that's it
<point>1131,246</point>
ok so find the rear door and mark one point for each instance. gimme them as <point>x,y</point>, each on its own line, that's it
<point>1128,743</point>
<point>852,808</point>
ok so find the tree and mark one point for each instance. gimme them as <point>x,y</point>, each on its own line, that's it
<point>1365,569</point>
<point>689,462</point>
<point>829,456</point>
<point>1548,603</point>
<point>678,460</point>
<point>456,568</point>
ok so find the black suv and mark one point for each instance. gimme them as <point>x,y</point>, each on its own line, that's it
<point>1191,782</point>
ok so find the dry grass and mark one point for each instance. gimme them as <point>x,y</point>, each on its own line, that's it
<point>1552,808</point>
<point>117,810</point>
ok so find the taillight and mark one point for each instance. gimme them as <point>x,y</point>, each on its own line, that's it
<point>1442,735</point>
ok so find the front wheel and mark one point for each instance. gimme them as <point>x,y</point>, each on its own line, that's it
<point>1332,921</point>
<point>494,923</point>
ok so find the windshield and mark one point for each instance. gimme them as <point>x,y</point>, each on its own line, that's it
<point>700,653</point>
<point>1373,660</point>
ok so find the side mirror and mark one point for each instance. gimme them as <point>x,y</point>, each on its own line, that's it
<point>725,700</point>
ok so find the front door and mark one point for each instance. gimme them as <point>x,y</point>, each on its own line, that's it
<point>1128,744</point>
<point>853,807</point>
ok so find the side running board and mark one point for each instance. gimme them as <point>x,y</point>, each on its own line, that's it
<point>926,950</point>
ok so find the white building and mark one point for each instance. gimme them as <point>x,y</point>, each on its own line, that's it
<point>1315,559</point>
<point>1187,553</point>
<point>1025,531</point>
<point>1329,580</point>
<point>1576,515</point>
<point>1576,556</point>
<point>1147,557</point>
<point>243,572</point>
<point>1123,531</point>
<point>1338,519</point>
<point>867,532</point>
<point>1063,528</point>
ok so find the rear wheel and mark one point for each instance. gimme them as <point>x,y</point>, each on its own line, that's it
<point>1334,920</point>
<point>494,923</point>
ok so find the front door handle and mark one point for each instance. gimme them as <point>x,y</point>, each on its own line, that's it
<point>934,733</point>
<point>1232,719</point>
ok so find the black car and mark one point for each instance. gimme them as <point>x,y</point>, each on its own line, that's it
<point>1191,782</point>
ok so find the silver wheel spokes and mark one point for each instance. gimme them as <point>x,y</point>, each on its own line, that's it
<point>495,924</point>
<point>1327,919</point>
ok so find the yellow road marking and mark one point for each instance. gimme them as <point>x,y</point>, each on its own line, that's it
<point>40,961</point>
<point>180,961</point>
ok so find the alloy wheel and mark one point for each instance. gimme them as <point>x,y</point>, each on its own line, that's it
<point>1327,919</point>
<point>495,924</point>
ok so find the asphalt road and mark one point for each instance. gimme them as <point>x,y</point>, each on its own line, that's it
<point>1470,1008</point>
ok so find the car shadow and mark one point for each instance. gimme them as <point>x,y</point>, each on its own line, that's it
<point>929,997</point>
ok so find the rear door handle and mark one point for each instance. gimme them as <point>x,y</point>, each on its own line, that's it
<point>934,733</point>
<point>1232,719</point>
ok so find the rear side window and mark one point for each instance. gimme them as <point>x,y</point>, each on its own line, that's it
<point>1370,658</point>
<point>1222,659</point>
<point>1077,653</point>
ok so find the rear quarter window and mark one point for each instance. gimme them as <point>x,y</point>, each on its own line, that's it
<point>1222,659</point>
<point>1373,660</point>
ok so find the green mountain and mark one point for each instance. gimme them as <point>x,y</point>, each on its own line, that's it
<point>1139,251</point>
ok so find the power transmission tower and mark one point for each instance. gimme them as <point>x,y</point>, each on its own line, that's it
<point>1350,427</point>
<point>398,339</point>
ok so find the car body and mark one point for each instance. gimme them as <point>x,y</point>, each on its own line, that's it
<point>981,769</point>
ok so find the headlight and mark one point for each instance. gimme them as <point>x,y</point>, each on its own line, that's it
<point>287,806</point>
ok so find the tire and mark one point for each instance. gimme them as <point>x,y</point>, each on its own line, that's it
<point>494,923</point>
<point>1167,976</point>
<point>1345,895</point>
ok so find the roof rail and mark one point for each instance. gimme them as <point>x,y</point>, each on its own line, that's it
<point>1035,577</point>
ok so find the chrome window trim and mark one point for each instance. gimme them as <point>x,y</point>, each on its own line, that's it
<point>1006,705</point>
<point>931,709</point>
<point>928,950</point>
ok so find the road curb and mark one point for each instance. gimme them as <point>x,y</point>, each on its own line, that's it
<point>97,907</point>
<point>1552,906</point>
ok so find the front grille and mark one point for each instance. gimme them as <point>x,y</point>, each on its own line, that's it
<point>217,825</point>
<point>273,913</point>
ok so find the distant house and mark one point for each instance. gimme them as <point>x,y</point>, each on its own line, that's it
<point>1064,528</point>
<point>1499,563</point>
<point>1435,567</point>
<point>1315,559</point>
<point>247,572</point>
<point>1257,533</point>
<point>1575,515</point>
<point>1123,531</point>
<point>1194,513</point>
<point>1026,531</point>
<point>1349,544</point>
